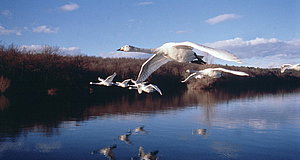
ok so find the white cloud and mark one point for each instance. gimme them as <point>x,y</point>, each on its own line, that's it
<point>62,50</point>
<point>222,18</point>
<point>182,31</point>
<point>4,31</point>
<point>69,7</point>
<point>44,29</point>
<point>145,3</point>
<point>261,52</point>
<point>6,13</point>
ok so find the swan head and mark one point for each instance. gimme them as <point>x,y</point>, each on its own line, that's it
<point>127,48</point>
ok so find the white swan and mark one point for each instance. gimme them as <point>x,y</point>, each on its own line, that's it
<point>147,156</point>
<point>123,84</point>
<point>212,72</point>
<point>105,82</point>
<point>142,87</point>
<point>290,66</point>
<point>180,52</point>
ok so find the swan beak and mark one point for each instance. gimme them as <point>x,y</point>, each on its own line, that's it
<point>120,49</point>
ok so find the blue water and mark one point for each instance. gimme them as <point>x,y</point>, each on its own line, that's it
<point>243,125</point>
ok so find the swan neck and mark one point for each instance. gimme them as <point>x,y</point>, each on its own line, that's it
<point>145,50</point>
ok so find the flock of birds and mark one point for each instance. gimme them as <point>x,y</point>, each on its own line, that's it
<point>142,155</point>
<point>108,151</point>
<point>180,52</point>
<point>140,87</point>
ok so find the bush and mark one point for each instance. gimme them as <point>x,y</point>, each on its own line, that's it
<point>4,84</point>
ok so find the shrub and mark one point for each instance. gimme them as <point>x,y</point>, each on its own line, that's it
<point>4,84</point>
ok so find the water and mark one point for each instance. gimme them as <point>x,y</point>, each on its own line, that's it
<point>239,125</point>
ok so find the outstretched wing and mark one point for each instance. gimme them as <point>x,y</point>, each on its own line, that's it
<point>151,65</point>
<point>222,54</point>
<point>111,77</point>
<point>152,86</point>
<point>190,77</point>
<point>239,73</point>
<point>126,81</point>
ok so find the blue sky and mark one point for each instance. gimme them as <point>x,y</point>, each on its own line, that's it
<point>99,27</point>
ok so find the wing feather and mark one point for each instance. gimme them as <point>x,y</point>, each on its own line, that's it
<point>155,87</point>
<point>222,54</point>
<point>239,73</point>
<point>190,77</point>
<point>111,77</point>
<point>151,65</point>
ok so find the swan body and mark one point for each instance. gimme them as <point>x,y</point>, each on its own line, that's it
<point>180,52</point>
<point>147,156</point>
<point>212,72</point>
<point>123,84</point>
<point>290,66</point>
<point>105,82</point>
<point>142,87</point>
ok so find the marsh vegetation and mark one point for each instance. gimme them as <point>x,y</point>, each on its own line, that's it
<point>49,72</point>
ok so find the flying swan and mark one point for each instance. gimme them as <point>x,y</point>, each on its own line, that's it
<point>105,82</point>
<point>290,66</point>
<point>142,87</point>
<point>123,84</point>
<point>211,72</point>
<point>180,52</point>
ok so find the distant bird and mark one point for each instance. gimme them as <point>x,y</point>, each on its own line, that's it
<point>105,82</point>
<point>147,156</point>
<point>180,52</point>
<point>290,66</point>
<point>142,87</point>
<point>211,72</point>
<point>123,84</point>
<point>106,151</point>
<point>125,138</point>
<point>199,131</point>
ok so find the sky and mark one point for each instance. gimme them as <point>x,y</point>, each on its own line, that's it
<point>263,33</point>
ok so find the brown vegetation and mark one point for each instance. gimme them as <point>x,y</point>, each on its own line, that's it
<point>37,72</point>
<point>4,84</point>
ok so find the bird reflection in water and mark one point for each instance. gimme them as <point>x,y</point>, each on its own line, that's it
<point>139,129</point>
<point>125,138</point>
<point>107,152</point>
<point>147,156</point>
<point>199,132</point>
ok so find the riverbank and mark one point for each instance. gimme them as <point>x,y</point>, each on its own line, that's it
<point>48,72</point>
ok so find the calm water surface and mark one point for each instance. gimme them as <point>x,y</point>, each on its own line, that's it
<point>239,125</point>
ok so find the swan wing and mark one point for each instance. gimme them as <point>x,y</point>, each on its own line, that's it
<point>151,65</point>
<point>152,86</point>
<point>126,81</point>
<point>111,77</point>
<point>239,73</point>
<point>190,77</point>
<point>222,54</point>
